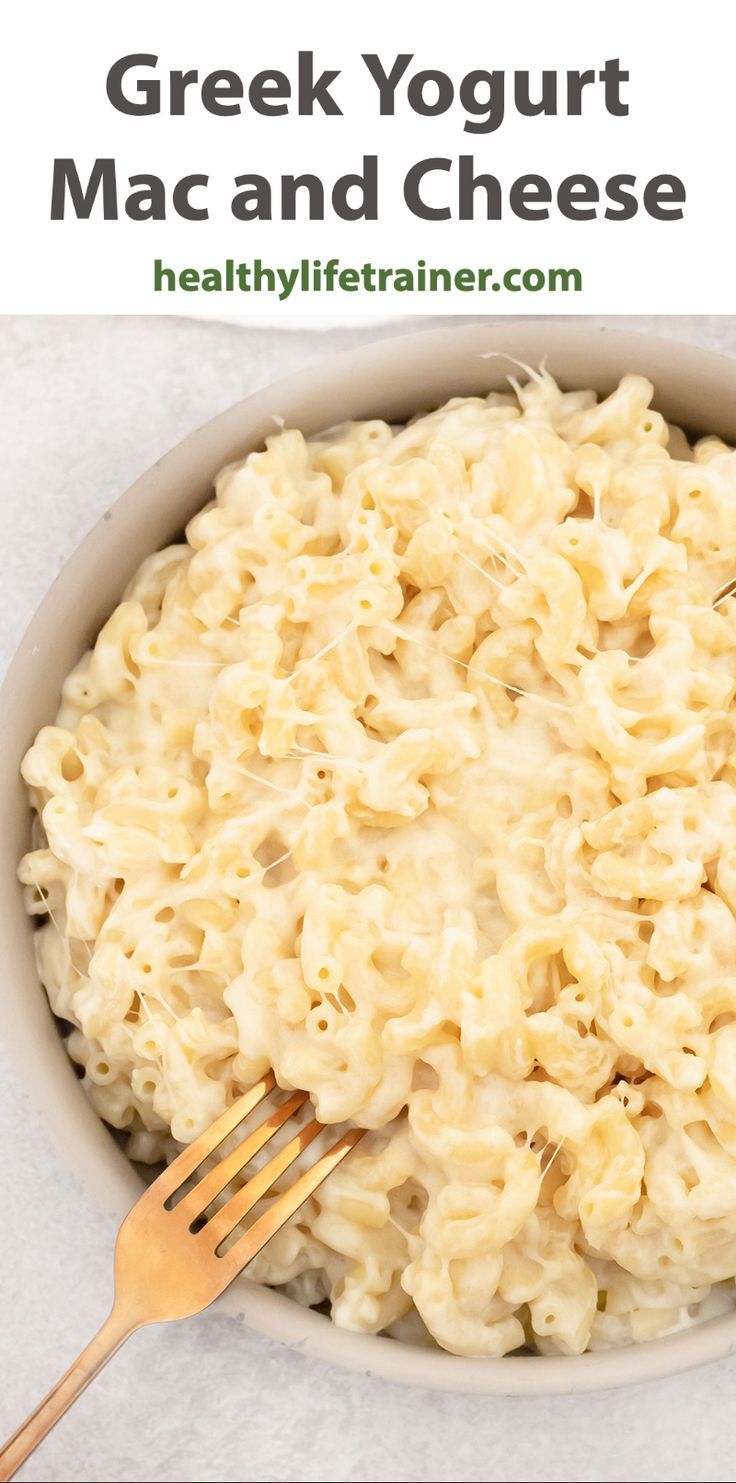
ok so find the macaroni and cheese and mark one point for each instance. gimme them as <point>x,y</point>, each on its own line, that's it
<point>411,774</point>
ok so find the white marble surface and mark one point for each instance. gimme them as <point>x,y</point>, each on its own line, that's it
<point>85,406</point>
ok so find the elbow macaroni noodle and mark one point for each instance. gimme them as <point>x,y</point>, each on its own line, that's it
<point>411,774</point>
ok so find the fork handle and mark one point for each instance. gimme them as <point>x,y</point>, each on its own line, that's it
<point>115,1330</point>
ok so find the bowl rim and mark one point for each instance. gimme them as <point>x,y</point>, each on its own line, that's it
<point>348,378</point>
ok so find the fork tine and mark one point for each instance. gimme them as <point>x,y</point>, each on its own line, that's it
<point>163,1273</point>
<point>226,1219</point>
<point>193,1204</point>
<point>287,1204</point>
<point>187,1162</point>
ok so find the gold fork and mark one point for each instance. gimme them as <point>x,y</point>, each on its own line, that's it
<point>168,1262</point>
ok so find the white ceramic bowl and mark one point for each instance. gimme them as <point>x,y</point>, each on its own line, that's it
<point>391,379</point>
